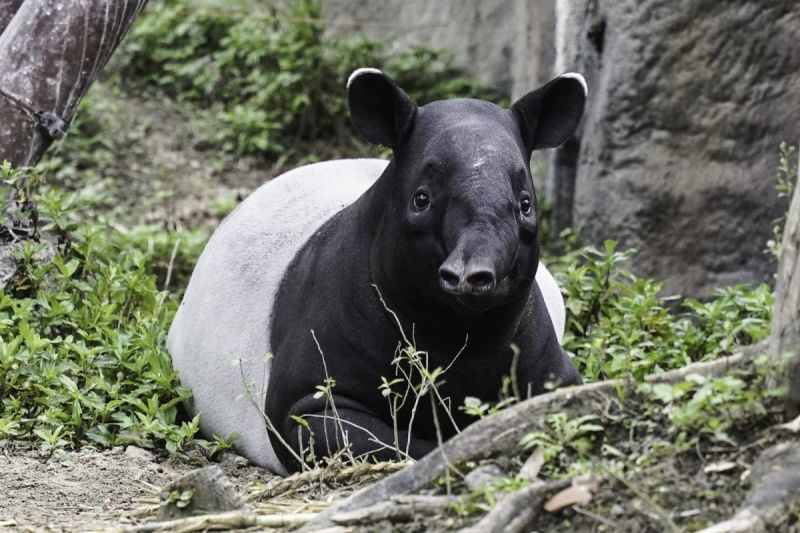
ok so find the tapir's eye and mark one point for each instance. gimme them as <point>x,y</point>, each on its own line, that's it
<point>421,200</point>
<point>525,205</point>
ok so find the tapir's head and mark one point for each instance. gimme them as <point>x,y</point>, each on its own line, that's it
<point>460,220</point>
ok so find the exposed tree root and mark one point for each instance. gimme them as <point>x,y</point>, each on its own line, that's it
<point>398,509</point>
<point>786,311</point>
<point>500,433</point>
<point>518,510</point>
<point>776,498</point>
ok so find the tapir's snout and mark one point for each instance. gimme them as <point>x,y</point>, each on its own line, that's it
<point>480,262</point>
<point>458,278</point>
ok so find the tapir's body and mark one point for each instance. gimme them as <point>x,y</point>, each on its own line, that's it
<point>327,267</point>
<point>221,334</point>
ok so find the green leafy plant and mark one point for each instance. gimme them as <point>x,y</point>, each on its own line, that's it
<point>618,325</point>
<point>483,498</point>
<point>786,182</point>
<point>271,76</point>
<point>180,499</point>
<point>709,407</point>
<point>18,218</point>
<point>477,408</point>
<point>82,330</point>
<point>564,434</point>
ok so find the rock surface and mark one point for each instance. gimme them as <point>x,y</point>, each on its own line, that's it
<point>679,149</point>
<point>579,34</point>
<point>209,490</point>
<point>139,454</point>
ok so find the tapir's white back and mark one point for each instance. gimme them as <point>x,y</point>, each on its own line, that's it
<point>219,339</point>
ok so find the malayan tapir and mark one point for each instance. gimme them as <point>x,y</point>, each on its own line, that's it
<point>323,270</point>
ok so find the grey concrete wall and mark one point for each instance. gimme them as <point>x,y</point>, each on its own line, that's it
<point>506,44</point>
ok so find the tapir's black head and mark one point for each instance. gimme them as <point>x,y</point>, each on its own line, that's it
<point>460,224</point>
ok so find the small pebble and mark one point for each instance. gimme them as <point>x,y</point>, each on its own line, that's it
<point>134,452</point>
<point>232,459</point>
<point>483,475</point>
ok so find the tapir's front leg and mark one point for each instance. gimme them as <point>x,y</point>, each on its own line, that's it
<point>340,422</point>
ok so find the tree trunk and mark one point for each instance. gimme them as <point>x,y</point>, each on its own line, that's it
<point>7,10</point>
<point>786,310</point>
<point>50,53</point>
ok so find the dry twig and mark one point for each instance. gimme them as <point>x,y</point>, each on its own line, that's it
<point>329,474</point>
<point>229,520</point>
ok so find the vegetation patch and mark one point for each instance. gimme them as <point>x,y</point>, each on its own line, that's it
<point>271,76</point>
<point>82,331</point>
<point>663,456</point>
<point>674,457</point>
<point>619,325</point>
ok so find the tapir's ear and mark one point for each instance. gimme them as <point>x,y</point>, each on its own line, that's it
<point>379,110</point>
<point>549,115</point>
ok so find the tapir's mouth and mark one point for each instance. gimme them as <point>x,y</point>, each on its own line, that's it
<point>474,302</point>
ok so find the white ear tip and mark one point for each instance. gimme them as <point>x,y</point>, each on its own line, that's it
<point>359,71</point>
<point>574,76</point>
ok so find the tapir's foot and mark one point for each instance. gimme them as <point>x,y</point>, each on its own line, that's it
<point>361,434</point>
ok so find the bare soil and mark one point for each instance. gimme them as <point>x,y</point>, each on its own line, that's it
<point>164,169</point>
<point>90,489</point>
<point>166,166</point>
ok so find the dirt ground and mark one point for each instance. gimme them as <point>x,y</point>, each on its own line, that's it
<point>160,171</point>
<point>88,489</point>
<point>166,168</point>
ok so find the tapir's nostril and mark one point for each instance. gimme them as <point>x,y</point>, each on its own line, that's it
<point>482,280</point>
<point>474,281</point>
<point>448,279</point>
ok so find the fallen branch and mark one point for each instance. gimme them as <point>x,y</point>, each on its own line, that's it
<point>398,509</point>
<point>745,521</point>
<point>516,511</point>
<point>501,432</point>
<point>229,520</point>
